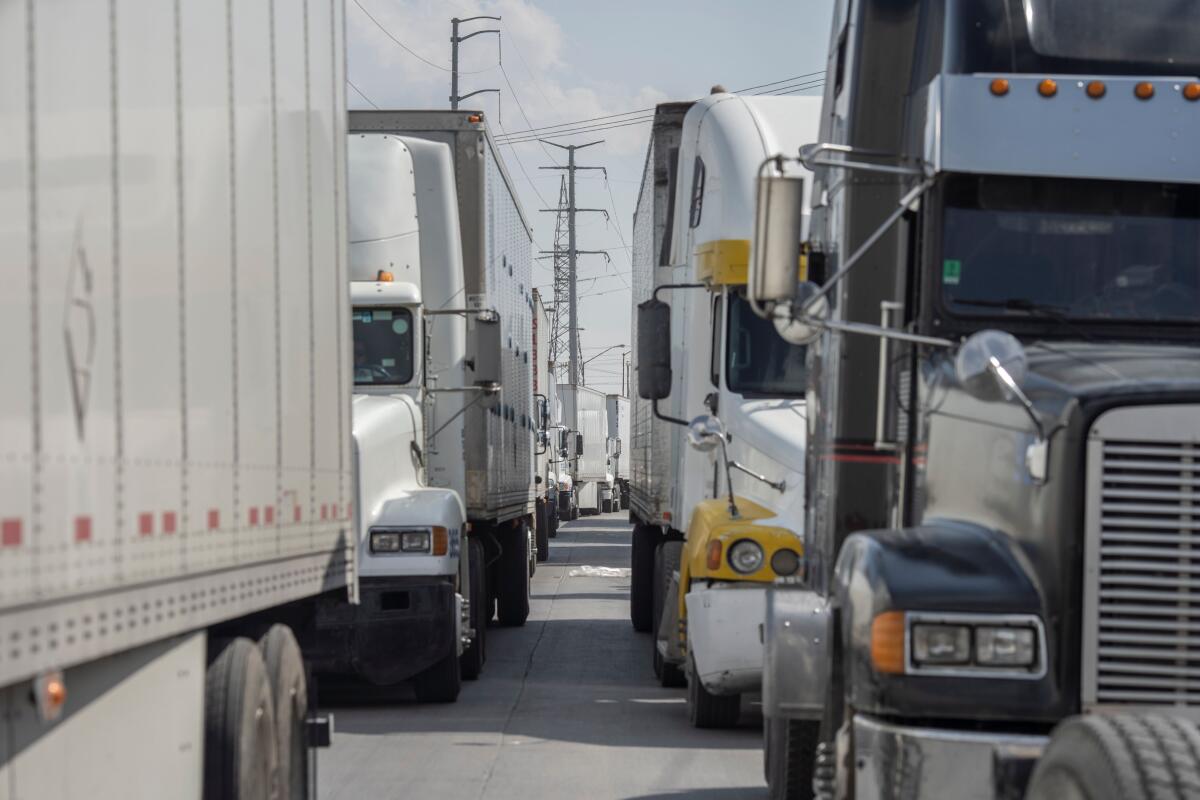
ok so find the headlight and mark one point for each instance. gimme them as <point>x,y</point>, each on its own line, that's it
<point>988,645</point>
<point>400,541</point>
<point>1005,647</point>
<point>414,541</point>
<point>745,556</point>
<point>385,542</point>
<point>941,644</point>
<point>785,562</point>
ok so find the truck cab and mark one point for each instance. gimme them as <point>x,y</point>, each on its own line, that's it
<point>1004,356</point>
<point>414,618</point>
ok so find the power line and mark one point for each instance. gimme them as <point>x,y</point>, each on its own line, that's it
<point>362,94</point>
<point>408,49</point>
<point>641,121</point>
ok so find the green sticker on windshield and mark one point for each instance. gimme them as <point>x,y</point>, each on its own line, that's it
<point>951,271</point>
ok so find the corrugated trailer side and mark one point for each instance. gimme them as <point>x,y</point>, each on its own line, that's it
<point>498,266</point>
<point>650,463</point>
<point>174,414</point>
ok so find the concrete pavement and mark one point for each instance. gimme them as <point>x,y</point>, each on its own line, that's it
<point>567,707</point>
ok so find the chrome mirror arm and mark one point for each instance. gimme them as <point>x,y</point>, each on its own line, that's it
<point>778,486</point>
<point>1009,383</point>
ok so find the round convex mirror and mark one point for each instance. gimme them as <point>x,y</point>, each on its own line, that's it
<point>798,331</point>
<point>705,432</point>
<point>971,365</point>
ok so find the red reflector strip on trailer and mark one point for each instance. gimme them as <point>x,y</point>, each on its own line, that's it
<point>168,522</point>
<point>10,533</point>
<point>83,529</point>
<point>146,524</point>
<point>214,519</point>
<point>269,514</point>
<point>296,514</point>
<point>253,516</point>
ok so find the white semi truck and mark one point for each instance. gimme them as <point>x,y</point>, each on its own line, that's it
<point>545,414</point>
<point>480,443</point>
<point>420,577</point>
<point>618,449</point>
<point>719,442</point>
<point>177,487</point>
<point>585,415</point>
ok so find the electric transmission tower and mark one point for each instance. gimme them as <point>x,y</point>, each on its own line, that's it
<point>562,279</point>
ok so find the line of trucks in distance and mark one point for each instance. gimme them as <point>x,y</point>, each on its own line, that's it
<point>277,401</point>
<point>916,437</point>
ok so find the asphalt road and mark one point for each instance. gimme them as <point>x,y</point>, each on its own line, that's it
<point>567,707</point>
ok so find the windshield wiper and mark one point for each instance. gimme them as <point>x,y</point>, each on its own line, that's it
<point>1026,306</point>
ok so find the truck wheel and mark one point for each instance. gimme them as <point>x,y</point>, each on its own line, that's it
<point>552,519</point>
<point>641,578</point>
<point>289,690</point>
<point>513,578</point>
<point>707,710</point>
<point>441,682</point>
<point>471,661</point>
<point>789,750</point>
<point>666,561</point>
<point>606,506</point>
<point>241,754</point>
<point>1110,756</point>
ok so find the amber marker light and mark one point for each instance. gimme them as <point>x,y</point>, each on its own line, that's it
<point>384,276</point>
<point>1191,92</point>
<point>1144,90</point>
<point>441,540</point>
<point>1047,88</point>
<point>999,86</point>
<point>714,554</point>
<point>887,642</point>
<point>475,118</point>
<point>1096,89</point>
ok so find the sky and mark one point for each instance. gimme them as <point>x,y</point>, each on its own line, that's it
<point>560,61</point>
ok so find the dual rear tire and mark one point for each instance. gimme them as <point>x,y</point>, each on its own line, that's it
<point>255,720</point>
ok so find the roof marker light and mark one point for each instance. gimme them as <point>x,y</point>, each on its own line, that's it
<point>999,86</point>
<point>1144,90</point>
<point>1096,89</point>
<point>475,118</point>
<point>1047,88</point>
<point>384,276</point>
<point>1191,92</point>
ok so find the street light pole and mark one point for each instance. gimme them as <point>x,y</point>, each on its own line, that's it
<point>454,42</point>
<point>593,358</point>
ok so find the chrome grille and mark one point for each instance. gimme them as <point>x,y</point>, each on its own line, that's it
<point>1142,560</point>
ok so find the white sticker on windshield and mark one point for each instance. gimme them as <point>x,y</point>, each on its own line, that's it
<point>387,362</point>
<point>382,316</point>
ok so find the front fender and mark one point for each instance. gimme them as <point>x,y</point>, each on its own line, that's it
<point>942,567</point>
<point>415,508</point>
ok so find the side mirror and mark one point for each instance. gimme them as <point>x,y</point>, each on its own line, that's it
<point>617,448</point>
<point>486,351</point>
<point>562,452</point>
<point>654,350</point>
<point>778,229</point>
<point>801,331</point>
<point>578,444</point>
<point>991,366</point>
<point>705,433</point>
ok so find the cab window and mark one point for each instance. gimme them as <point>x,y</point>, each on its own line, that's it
<point>383,346</point>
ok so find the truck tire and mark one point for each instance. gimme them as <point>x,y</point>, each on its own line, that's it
<point>289,691</point>
<point>1129,756</point>
<point>441,682</point>
<point>241,754</point>
<point>513,578</point>
<point>707,710</point>
<point>641,577</point>
<point>471,661</point>
<point>666,561</point>
<point>543,532</point>
<point>789,750</point>
<point>606,506</point>
<point>552,518</point>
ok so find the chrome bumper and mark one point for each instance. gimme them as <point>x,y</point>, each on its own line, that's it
<point>897,762</point>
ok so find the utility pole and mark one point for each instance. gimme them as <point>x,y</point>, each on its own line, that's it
<point>562,277</point>
<point>455,39</point>
<point>573,252</point>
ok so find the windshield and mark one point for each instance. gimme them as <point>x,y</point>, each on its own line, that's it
<point>1094,250</point>
<point>758,361</point>
<point>383,346</point>
<point>1123,37</point>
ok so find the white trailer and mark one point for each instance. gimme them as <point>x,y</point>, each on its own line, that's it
<point>545,415</point>
<point>484,442</point>
<point>619,448</point>
<point>585,415</point>
<point>176,479</point>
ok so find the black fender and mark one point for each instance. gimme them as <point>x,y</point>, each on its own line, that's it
<point>944,566</point>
